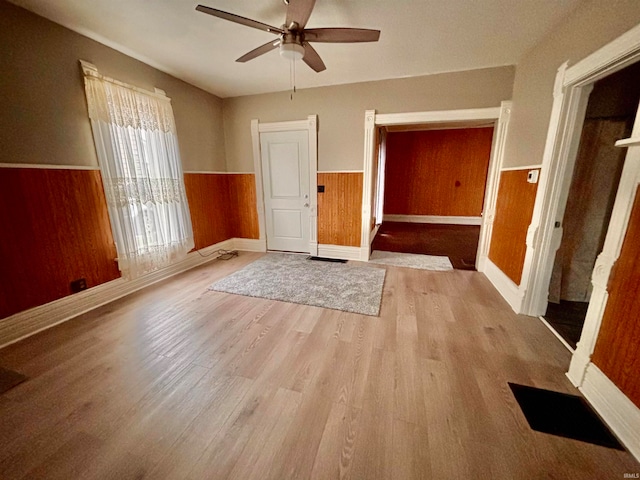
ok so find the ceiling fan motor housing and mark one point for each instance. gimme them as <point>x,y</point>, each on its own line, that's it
<point>291,46</point>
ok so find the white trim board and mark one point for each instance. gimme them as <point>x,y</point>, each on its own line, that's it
<point>437,219</point>
<point>619,413</point>
<point>217,173</point>
<point>515,169</point>
<point>505,286</point>
<point>340,171</point>
<point>29,322</point>
<point>250,244</point>
<point>493,180</point>
<point>408,118</point>
<point>42,166</point>
<point>339,251</point>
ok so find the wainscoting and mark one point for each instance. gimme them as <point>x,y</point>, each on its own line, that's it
<point>222,206</point>
<point>55,230</point>
<point>242,211</point>
<point>437,172</point>
<point>514,209</point>
<point>208,197</point>
<point>339,208</point>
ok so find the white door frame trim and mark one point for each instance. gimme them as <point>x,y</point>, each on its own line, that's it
<point>571,92</point>
<point>372,120</point>
<point>310,125</point>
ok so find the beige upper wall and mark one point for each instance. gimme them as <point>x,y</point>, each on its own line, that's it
<point>341,108</point>
<point>592,26</point>
<point>43,119</point>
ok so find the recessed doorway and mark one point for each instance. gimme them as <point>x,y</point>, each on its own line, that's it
<point>430,187</point>
<point>609,116</point>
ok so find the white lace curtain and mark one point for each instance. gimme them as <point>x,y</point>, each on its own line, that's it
<point>137,147</point>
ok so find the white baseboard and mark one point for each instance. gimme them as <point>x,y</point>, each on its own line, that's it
<point>339,251</point>
<point>481,263</point>
<point>448,220</point>
<point>618,412</point>
<point>34,320</point>
<point>249,244</point>
<point>505,286</point>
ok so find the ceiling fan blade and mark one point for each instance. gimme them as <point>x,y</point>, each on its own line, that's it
<point>299,11</point>
<point>312,58</point>
<point>261,50</point>
<point>341,35</point>
<point>238,19</point>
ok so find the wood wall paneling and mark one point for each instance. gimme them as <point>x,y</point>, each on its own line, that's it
<point>514,210</point>
<point>437,172</point>
<point>340,209</point>
<point>242,202</point>
<point>618,345</point>
<point>55,230</point>
<point>211,215</point>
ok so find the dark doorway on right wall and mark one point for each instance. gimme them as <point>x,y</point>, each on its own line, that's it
<point>609,117</point>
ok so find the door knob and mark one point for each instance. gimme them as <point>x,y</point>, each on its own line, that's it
<point>306,204</point>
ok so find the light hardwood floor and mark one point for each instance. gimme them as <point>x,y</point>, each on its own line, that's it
<point>179,382</point>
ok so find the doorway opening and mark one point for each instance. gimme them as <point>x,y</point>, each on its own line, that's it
<point>429,188</point>
<point>610,113</point>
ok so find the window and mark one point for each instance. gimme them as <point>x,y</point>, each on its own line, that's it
<point>137,147</point>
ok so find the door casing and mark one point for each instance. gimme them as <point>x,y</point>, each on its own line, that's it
<point>311,126</point>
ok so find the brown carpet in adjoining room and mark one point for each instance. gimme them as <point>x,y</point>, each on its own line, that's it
<point>458,242</point>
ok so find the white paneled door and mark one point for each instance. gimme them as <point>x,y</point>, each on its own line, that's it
<point>285,177</point>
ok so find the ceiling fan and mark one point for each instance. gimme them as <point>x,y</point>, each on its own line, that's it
<point>293,41</point>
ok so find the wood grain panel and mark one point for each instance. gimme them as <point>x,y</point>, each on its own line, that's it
<point>242,197</point>
<point>55,229</point>
<point>438,172</point>
<point>618,344</point>
<point>340,209</point>
<point>211,215</point>
<point>514,209</point>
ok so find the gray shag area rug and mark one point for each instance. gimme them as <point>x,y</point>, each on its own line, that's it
<point>410,260</point>
<point>295,279</point>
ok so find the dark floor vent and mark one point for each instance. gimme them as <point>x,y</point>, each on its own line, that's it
<point>564,415</point>
<point>333,260</point>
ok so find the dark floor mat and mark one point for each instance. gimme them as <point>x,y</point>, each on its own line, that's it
<point>322,259</point>
<point>9,379</point>
<point>564,415</point>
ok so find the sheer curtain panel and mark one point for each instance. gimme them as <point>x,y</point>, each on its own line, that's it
<point>137,147</point>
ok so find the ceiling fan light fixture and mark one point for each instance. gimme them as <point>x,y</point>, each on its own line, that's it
<point>291,51</point>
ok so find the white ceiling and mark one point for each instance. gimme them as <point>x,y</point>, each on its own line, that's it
<point>419,37</point>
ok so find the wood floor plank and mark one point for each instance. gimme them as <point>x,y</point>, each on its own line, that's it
<point>373,449</point>
<point>335,452</point>
<point>176,382</point>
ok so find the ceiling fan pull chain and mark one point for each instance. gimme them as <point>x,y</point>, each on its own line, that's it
<point>292,78</point>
